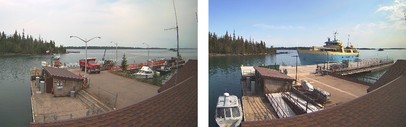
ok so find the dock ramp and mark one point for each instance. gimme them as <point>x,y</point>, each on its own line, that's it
<point>304,105</point>
<point>282,109</point>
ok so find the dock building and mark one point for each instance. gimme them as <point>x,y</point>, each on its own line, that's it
<point>61,82</point>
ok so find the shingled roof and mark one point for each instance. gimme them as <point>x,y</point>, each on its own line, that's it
<point>384,106</point>
<point>175,106</point>
<point>61,73</point>
<point>270,73</point>
<point>183,73</point>
<point>396,70</point>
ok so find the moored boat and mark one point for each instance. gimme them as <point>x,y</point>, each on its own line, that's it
<point>145,72</point>
<point>228,111</point>
<point>332,51</point>
<point>56,56</point>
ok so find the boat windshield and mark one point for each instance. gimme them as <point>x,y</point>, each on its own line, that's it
<point>220,112</point>
<point>236,112</point>
<point>228,112</point>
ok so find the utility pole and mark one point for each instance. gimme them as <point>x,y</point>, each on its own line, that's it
<point>84,40</point>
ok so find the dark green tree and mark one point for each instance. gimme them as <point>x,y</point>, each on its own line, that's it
<point>124,63</point>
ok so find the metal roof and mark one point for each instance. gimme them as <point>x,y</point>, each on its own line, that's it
<point>61,73</point>
<point>265,72</point>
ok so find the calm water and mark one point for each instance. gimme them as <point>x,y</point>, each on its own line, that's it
<point>224,71</point>
<point>15,103</point>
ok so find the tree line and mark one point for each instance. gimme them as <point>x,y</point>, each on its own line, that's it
<point>25,44</point>
<point>228,44</point>
<point>108,47</point>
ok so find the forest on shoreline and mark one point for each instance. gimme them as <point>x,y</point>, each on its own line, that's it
<point>232,45</point>
<point>25,44</point>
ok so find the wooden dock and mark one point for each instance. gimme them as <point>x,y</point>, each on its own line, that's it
<point>257,109</point>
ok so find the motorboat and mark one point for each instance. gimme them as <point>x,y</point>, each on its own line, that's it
<point>144,72</point>
<point>56,56</point>
<point>163,70</point>
<point>228,111</point>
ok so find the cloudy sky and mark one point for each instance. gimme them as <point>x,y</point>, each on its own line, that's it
<point>372,23</point>
<point>126,22</point>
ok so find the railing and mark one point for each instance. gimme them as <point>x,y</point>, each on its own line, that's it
<point>60,116</point>
<point>107,97</point>
<point>279,110</point>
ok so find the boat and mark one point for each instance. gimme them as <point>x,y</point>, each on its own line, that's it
<point>163,70</point>
<point>380,49</point>
<point>228,111</point>
<point>173,49</point>
<point>332,51</point>
<point>56,56</point>
<point>144,72</point>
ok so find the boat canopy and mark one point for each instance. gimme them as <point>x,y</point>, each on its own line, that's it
<point>146,69</point>
<point>227,101</point>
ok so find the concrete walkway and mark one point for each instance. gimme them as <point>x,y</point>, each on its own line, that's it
<point>341,90</point>
<point>46,107</point>
<point>107,85</point>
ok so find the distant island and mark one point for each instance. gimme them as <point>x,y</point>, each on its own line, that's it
<point>113,47</point>
<point>21,44</point>
<point>232,45</point>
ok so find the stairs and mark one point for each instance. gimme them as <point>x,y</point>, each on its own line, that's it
<point>93,103</point>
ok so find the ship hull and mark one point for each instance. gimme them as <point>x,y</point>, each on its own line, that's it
<point>315,57</point>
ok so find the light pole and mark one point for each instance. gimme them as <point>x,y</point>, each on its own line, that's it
<point>296,67</point>
<point>84,40</point>
<point>147,48</point>
<point>116,50</point>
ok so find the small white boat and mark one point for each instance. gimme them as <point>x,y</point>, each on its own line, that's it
<point>228,111</point>
<point>145,72</point>
<point>56,56</point>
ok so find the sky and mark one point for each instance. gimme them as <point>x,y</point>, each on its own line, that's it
<point>125,22</point>
<point>288,23</point>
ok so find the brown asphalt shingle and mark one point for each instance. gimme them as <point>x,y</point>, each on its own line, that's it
<point>395,70</point>
<point>173,107</point>
<point>385,106</point>
<point>183,73</point>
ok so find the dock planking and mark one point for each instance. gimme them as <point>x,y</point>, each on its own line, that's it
<point>256,109</point>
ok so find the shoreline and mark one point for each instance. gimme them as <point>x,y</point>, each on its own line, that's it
<point>218,54</point>
<point>22,54</point>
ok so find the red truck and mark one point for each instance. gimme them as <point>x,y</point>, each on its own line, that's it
<point>92,66</point>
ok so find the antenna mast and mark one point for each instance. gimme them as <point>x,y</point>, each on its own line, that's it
<point>348,43</point>
<point>177,29</point>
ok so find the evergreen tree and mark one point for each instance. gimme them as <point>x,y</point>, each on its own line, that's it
<point>26,44</point>
<point>228,44</point>
<point>124,63</point>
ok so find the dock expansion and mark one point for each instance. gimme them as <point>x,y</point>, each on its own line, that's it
<point>360,67</point>
<point>266,92</point>
<point>341,90</point>
<point>106,92</point>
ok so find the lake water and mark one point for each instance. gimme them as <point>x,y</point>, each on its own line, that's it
<point>224,71</point>
<point>15,102</point>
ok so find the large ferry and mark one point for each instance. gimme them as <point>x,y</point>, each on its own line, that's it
<point>332,51</point>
